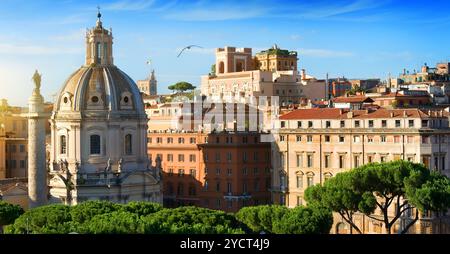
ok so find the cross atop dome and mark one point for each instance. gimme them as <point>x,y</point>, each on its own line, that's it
<point>99,16</point>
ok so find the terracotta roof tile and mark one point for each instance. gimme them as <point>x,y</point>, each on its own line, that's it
<point>336,113</point>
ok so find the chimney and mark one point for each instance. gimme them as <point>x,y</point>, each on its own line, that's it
<point>391,114</point>
<point>405,114</point>
<point>404,71</point>
<point>341,111</point>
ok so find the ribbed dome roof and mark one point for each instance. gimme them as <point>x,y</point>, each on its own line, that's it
<point>100,88</point>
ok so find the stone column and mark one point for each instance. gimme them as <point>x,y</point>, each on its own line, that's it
<point>37,170</point>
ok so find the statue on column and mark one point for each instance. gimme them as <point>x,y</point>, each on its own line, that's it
<point>108,165</point>
<point>37,80</point>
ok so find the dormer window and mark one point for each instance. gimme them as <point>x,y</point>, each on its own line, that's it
<point>125,102</point>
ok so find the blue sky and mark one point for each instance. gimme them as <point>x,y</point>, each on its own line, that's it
<point>351,38</point>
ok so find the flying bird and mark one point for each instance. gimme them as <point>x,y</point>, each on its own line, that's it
<point>188,47</point>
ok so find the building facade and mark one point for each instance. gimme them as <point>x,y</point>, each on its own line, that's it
<point>312,145</point>
<point>149,85</point>
<point>238,75</point>
<point>223,171</point>
<point>99,133</point>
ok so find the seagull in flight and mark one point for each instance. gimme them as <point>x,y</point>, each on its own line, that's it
<point>188,47</point>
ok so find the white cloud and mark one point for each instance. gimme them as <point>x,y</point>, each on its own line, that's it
<point>127,5</point>
<point>295,37</point>
<point>10,49</point>
<point>325,53</point>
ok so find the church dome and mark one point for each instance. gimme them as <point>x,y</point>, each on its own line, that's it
<point>99,86</point>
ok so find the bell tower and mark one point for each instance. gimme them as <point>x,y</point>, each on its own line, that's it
<point>99,44</point>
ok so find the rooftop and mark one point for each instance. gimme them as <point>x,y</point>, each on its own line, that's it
<point>336,113</point>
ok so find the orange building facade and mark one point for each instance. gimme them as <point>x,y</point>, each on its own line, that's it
<point>223,171</point>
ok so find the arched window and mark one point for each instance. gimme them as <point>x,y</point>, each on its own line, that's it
<point>221,67</point>
<point>63,144</point>
<point>95,144</point>
<point>128,144</point>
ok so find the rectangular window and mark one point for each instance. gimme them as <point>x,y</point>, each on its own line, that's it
<point>356,161</point>
<point>382,158</point>
<point>396,139</point>
<point>192,172</point>
<point>169,140</point>
<point>283,124</point>
<point>327,138</point>
<point>370,123</point>
<point>443,162</point>
<point>299,138</point>
<point>310,124</point>
<point>426,140</point>
<point>410,123</point>
<point>229,156</point>
<point>369,139</point>
<point>192,140</point>
<point>327,161</point>
<point>181,172</point>
<point>357,124</point>
<point>383,123</point>
<point>22,148</point>
<point>169,157</point>
<point>327,124</point>
<point>180,140</point>
<point>244,140</point>
<point>217,157</point>
<point>22,164</point>
<point>369,158</point>
<point>282,138</point>
<point>341,161</point>
<point>256,185</point>
<point>255,156</point>
<point>356,139</point>
<point>180,157</point>
<point>229,172</point>
<point>410,159</point>
<point>299,181</point>
<point>341,139</point>
<point>383,139</point>
<point>244,187</point>
<point>309,138</point>
<point>299,124</point>
<point>229,190</point>
<point>299,160</point>
<point>342,124</point>
<point>310,181</point>
<point>310,160</point>
<point>217,171</point>
<point>409,139</point>
<point>244,157</point>
<point>397,123</point>
<point>244,171</point>
<point>426,160</point>
<point>192,158</point>
<point>424,123</point>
